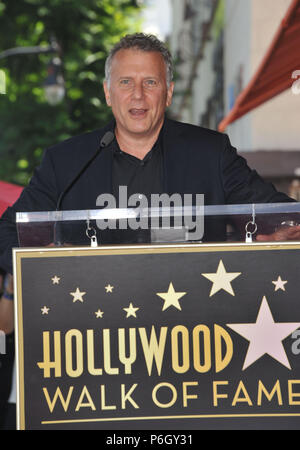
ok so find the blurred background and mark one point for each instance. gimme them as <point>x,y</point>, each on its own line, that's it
<point>239,60</point>
<point>52,56</point>
<point>237,70</point>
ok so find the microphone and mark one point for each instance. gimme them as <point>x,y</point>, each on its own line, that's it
<point>107,139</point>
<point>105,142</point>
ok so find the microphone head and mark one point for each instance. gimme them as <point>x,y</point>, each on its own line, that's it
<point>107,139</point>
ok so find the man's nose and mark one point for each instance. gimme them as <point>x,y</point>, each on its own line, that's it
<point>138,90</point>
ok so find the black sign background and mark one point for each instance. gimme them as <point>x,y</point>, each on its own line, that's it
<point>137,277</point>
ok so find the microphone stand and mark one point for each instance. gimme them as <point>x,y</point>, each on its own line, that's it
<point>105,142</point>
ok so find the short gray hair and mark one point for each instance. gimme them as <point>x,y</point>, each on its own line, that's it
<point>145,43</point>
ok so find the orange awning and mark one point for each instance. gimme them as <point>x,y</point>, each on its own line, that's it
<point>9,193</point>
<point>275,72</point>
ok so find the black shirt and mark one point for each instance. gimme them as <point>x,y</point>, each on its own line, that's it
<point>143,177</point>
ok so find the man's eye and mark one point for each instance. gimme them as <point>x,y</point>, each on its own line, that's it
<point>125,82</point>
<point>150,82</point>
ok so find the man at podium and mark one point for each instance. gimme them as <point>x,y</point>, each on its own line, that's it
<point>140,149</point>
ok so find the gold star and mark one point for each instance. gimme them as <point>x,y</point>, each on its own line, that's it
<point>221,279</point>
<point>55,279</point>
<point>77,295</point>
<point>45,310</point>
<point>131,311</point>
<point>109,288</point>
<point>279,284</point>
<point>171,297</point>
<point>99,314</point>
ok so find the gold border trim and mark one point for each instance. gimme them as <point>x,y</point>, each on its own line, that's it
<point>196,416</point>
<point>151,249</point>
<point>19,345</point>
<point>20,253</point>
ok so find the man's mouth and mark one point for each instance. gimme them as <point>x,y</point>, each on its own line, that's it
<point>138,112</point>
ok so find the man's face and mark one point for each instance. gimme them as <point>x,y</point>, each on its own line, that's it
<point>138,92</point>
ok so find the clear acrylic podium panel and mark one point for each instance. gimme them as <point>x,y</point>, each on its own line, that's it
<point>216,223</point>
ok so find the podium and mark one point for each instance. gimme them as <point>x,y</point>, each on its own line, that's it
<point>173,334</point>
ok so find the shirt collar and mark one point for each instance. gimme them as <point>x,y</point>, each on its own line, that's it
<point>156,147</point>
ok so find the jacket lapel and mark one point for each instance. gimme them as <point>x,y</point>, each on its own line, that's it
<point>174,159</point>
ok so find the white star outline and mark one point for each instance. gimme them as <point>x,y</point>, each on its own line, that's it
<point>131,311</point>
<point>265,336</point>
<point>77,295</point>
<point>55,279</point>
<point>221,279</point>
<point>171,297</point>
<point>279,284</point>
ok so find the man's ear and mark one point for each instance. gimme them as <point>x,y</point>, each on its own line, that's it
<point>170,94</point>
<point>106,93</point>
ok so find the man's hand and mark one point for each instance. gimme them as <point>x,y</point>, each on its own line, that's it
<point>9,284</point>
<point>284,233</point>
<point>7,307</point>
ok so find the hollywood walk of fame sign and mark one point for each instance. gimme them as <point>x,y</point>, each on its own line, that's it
<point>159,337</point>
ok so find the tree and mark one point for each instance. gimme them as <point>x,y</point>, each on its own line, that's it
<point>85,32</point>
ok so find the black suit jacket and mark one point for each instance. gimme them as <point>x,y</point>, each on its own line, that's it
<point>195,160</point>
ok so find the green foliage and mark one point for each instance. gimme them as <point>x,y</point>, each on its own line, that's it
<point>218,24</point>
<point>85,32</point>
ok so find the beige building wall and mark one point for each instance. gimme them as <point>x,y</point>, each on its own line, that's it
<point>180,43</point>
<point>249,28</point>
<point>186,38</point>
<point>237,59</point>
<point>275,124</point>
